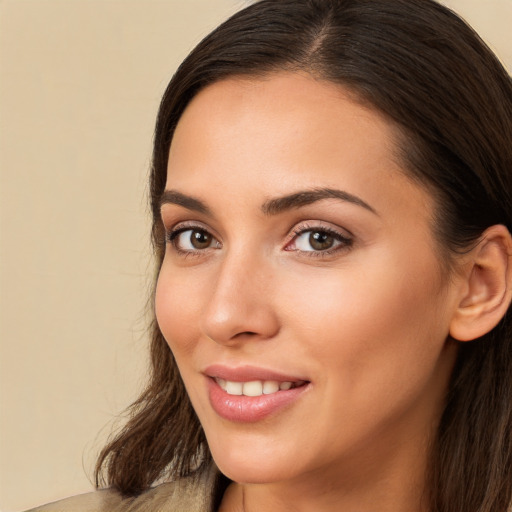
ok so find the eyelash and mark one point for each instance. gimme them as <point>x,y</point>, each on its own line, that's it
<point>343,242</point>
<point>172,235</point>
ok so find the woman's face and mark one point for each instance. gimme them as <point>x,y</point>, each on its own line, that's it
<point>301,292</point>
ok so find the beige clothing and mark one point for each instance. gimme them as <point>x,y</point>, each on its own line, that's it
<point>185,495</point>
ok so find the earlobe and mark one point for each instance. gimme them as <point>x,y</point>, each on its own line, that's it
<point>487,287</point>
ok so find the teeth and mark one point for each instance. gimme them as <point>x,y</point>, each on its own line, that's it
<point>234,388</point>
<point>270,386</point>
<point>255,387</point>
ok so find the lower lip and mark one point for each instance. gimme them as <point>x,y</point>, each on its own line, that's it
<point>249,409</point>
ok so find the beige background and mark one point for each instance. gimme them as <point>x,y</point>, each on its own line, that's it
<point>80,82</point>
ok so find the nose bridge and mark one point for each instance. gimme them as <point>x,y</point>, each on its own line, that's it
<point>240,302</point>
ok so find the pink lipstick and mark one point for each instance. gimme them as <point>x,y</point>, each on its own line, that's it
<point>248,394</point>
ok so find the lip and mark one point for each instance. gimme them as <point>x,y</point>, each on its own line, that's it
<point>248,373</point>
<point>249,409</point>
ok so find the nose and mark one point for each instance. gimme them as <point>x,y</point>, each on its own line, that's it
<point>240,306</point>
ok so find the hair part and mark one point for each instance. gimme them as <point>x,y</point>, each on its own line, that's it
<point>420,65</point>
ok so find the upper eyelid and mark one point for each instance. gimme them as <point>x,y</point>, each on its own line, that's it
<point>306,225</point>
<point>319,225</point>
<point>187,224</point>
<point>300,231</point>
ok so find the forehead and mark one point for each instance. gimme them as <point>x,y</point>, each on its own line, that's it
<point>271,134</point>
<point>284,107</point>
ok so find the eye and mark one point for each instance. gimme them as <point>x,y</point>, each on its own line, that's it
<point>318,240</point>
<point>315,241</point>
<point>192,239</point>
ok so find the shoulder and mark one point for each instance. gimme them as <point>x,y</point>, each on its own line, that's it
<point>97,501</point>
<point>187,494</point>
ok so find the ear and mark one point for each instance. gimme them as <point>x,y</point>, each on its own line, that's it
<point>487,290</point>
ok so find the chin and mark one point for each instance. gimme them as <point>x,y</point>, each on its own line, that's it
<point>253,465</point>
<point>245,473</point>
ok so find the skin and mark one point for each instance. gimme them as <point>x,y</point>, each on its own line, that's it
<point>366,323</point>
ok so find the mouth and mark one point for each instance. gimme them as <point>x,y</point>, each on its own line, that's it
<point>256,388</point>
<point>249,394</point>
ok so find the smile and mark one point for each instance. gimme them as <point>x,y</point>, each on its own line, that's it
<point>248,394</point>
<point>256,387</point>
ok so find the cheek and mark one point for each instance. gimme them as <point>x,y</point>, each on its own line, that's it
<point>373,328</point>
<point>176,308</point>
<point>376,339</point>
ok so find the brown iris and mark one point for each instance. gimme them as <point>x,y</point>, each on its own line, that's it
<point>200,239</point>
<point>320,240</point>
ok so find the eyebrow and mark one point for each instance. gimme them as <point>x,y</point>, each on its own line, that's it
<point>306,197</point>
<point>188,202</point>
<point>271,206</point>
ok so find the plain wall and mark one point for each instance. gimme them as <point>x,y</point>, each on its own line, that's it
<point>80,82</point>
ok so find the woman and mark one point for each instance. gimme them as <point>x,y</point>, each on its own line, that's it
<point>331,197</point>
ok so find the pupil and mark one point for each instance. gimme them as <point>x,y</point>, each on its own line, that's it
<point>200,239</point>
<point>320,240</point>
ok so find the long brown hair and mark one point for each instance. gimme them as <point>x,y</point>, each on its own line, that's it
<point>425,69</point>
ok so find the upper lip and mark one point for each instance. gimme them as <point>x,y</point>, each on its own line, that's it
<point>249,373</point>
